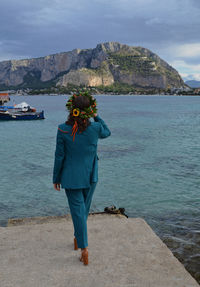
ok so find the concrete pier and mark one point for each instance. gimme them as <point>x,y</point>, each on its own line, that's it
<point>123,252</point>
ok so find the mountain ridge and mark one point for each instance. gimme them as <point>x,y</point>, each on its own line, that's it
<point>104,65</point>
<point>193,83</point>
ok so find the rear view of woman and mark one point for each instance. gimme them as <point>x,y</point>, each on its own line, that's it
<point>76,162</point>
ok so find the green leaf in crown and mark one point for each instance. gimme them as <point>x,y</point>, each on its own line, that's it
<point>85,113</point>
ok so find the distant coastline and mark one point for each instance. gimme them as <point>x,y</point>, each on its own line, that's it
<point>109,90</point>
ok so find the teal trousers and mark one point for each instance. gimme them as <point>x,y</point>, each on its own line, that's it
<point>79,203</point>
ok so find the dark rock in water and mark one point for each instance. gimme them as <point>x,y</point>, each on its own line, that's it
<point>172,242</point>
<point>196,237</point>
<point>192,265</point>
<point>187,251</point>
<point>197,276</point>
<point>181,233</point>
<point>178,256</point>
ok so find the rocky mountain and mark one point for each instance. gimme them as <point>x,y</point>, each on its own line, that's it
<point>108,63</point>
<point>193,83</point>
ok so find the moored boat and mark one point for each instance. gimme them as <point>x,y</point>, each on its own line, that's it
<point>11,116</point>
<point>22,111</point>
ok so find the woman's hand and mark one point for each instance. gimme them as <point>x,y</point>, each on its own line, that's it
<point>56,186</point>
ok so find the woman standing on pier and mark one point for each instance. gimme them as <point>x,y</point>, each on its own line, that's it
<point>76,162</point>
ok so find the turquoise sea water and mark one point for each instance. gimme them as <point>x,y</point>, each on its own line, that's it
<point>150,165</point>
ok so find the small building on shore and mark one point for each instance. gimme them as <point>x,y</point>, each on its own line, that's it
<point>197,91</point>
<point>4,98</point>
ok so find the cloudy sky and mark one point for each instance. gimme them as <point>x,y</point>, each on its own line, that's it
<point>170,28</point>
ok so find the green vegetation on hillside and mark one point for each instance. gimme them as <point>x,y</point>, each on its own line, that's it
<point>132,63</point>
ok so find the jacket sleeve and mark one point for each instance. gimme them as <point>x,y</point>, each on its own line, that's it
<point>59,157</point>
<point>104,131</point>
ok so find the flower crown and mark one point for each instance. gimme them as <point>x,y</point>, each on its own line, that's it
<point>86,112</point>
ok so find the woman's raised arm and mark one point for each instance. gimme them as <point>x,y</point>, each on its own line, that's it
<point>104,131</point>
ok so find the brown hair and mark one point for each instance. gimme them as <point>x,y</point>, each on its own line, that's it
<point>80,102</point>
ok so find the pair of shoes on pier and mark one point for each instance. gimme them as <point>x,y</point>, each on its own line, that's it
<point>84,253</point>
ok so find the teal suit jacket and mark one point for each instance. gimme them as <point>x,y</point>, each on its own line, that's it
<point>76,162</point>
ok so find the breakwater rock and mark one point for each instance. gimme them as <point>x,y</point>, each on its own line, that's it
<point>122,252</point>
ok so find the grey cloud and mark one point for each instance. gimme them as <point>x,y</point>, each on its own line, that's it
<point>38,28</point>
<point>190,61</point>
